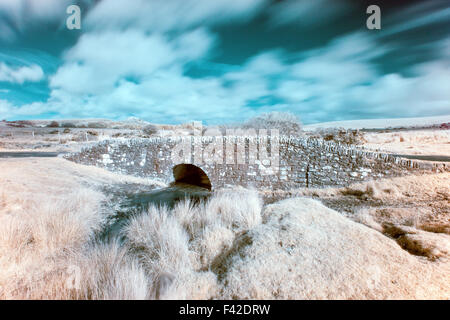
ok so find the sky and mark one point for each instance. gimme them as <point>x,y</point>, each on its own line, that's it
<point>172,61</point>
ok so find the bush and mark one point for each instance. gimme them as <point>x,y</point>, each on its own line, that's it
<point>348,136</point>
<point>68,125</point>
<point>53,124</point>
<point>150,129</point>
<point>286,122</point>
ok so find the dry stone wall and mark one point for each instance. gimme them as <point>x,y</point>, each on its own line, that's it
<point>303,162</point>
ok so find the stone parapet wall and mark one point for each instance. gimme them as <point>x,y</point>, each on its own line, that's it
<point>302,162</point>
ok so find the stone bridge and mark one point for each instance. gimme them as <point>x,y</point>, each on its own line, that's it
<point>261,162</point>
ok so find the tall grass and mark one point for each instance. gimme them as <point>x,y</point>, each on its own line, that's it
<point>177,247</point>
<point>49,249</point>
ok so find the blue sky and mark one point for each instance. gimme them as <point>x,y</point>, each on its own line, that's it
<point>224,61</point>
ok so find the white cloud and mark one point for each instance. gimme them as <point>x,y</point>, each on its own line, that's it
<point>325,73</point>
<point>166,96</point>
<point>116,73</point>
<point>163,15</point>
<point>321,86</point>
<point>132,56</point>
<point>99,60</point>
<point>345,84</point>
<point>261,65</point>
<point>9,110</point>
<point>22,74</point>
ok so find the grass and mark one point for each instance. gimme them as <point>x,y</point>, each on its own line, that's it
<point>50,252</point>
<point>425,142</point>
<point>179,246</point>
<point>49,249</point>
<point>419,200</point>
<point>227,247</point>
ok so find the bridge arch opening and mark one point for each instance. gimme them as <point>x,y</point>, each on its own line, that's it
<point>190,174</point>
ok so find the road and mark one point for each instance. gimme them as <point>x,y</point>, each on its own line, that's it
<point>30,154</point>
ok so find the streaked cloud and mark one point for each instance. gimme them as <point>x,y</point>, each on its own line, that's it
<point>418,15</point>
<point>163,15</point>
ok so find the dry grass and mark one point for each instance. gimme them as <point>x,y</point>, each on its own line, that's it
<point>425,142</point>
<point>307,251</point>
<point>421,201</point>
<point>48,246</point>
<point>34,241</point>
<point>50,213</point>
<point>227,247</point>
<point>49,252</point>
<point>180,246</point>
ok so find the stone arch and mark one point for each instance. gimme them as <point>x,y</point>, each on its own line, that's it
<point>190,174</point>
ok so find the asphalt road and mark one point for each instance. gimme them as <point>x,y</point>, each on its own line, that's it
<point>423,157</point>
<point>28,154</point>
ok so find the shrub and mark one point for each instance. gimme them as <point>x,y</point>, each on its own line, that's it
<point>348,136</point>
<point>150,129</point>
<point>53,124</point>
